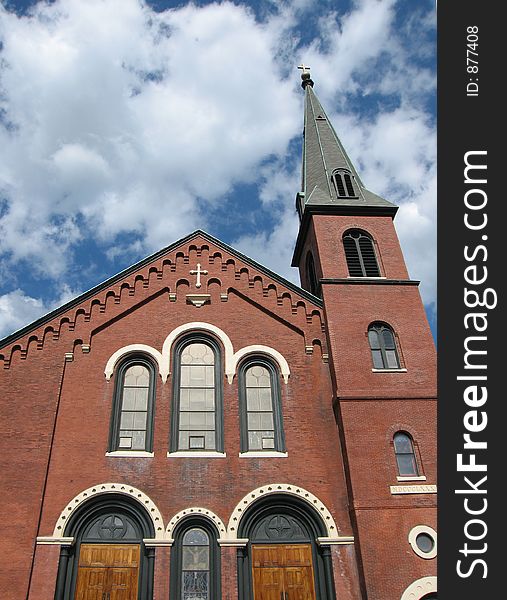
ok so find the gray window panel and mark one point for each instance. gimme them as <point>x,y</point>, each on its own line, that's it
<point>254,440</point>
<point>254,420</point>
<point>252,399</point>
<point>392,359</point>
<point>140,420</point>
<point>266,402</point>
<point>129,398</point>
<point>373,339</point>
<point>141,402</point>
<point>378,363</point>
<point>268,443</point>
<point>125,440</point>
<point>388,339</point>
<point>193,421</point>
<point>406,464</point>
<point>127,420</point>
<point>197,442</point>
<point>139,440</point>
<point>267,421</point>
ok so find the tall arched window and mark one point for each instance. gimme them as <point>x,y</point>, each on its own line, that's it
<point>405,455</point>
<point>383,347</point>
<point>260,406</point>
<point>197,396</point>
<point>132,415</point>
<point>360,254</point>
<point>195,562</point>
<point>311,275</point>
<point>343,184</point>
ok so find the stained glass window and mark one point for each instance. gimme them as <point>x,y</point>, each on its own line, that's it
<point>195,563</point>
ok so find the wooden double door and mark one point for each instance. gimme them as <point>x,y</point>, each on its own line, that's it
<point>282,572</point>
<point>108,572</point>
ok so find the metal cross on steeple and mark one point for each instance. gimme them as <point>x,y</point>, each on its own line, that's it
<point>305,68</point>
<point>198,272</point>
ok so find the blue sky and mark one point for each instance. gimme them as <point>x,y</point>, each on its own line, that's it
<point>125,125</point>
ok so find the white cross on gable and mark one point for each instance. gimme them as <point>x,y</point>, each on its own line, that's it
<point>198,272</point>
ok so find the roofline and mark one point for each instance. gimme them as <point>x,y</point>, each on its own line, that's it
<point>335,209</point>
<point>143,262</point>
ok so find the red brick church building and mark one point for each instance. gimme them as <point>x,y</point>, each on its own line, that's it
<point>197,427</point>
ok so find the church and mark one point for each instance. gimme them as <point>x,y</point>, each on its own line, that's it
<point>199,428</point>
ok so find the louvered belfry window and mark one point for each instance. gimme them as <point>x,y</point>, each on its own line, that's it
<point>360,254</point>
<point>343,185</point>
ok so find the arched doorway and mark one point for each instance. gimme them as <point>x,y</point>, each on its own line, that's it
<point>282,559</point>
<point>108,560</point>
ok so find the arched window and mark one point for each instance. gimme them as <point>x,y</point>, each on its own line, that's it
<point>197,396</point>
<point>405,455</point>
<point>195,562</point>
<point>132,415</point>
<point>260,406</point>
<point>360,254</point>
<point>311,275</point>
<point>383,347</point>
<point>343,184</point>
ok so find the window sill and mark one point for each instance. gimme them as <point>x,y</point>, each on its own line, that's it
<point>197,454</point>
<point>389,370</point>
<point>130,454</point>
<point>263,454</point>
<point>411,478</point>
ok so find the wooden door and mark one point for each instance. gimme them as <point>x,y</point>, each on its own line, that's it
<point>282,572</point>
<point>108,572</point>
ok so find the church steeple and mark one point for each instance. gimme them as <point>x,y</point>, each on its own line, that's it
<point>329,179</point>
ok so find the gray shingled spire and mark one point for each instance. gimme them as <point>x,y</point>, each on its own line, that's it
<point>328,175</point>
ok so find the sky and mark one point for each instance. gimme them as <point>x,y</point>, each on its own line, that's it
<point>127,124</point>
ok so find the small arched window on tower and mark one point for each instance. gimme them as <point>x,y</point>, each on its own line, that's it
<point>360,254</point>
<point>343,182</point>
<point>311,275</point>
<point>132,415</point>
<point>405,455</point>
<point>383,347</point>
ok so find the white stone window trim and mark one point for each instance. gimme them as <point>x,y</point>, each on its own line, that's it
<point>111,488</point>
<point>231,358</point>
<point>389,370</point>
<point>412,539</point>
<point>257,349</point>
<point>131,349</point>
<point>130,454</point>
<point>419,588</point>
<point>411,478</point>
<point>263,454</point>
<point>366,277</point>
<point>199,326</point>
<point>196,454</point>
<point>282,488</point>
<point>192,512</point>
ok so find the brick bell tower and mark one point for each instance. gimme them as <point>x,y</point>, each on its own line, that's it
<point>382,362</point>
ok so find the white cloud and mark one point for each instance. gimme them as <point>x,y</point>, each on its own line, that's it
<point>121,120</point>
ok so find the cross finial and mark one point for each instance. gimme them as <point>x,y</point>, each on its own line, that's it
<point>305,75</point>
<point>198,272</point>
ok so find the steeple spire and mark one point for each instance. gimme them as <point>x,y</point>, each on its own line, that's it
<point>329,179</point>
